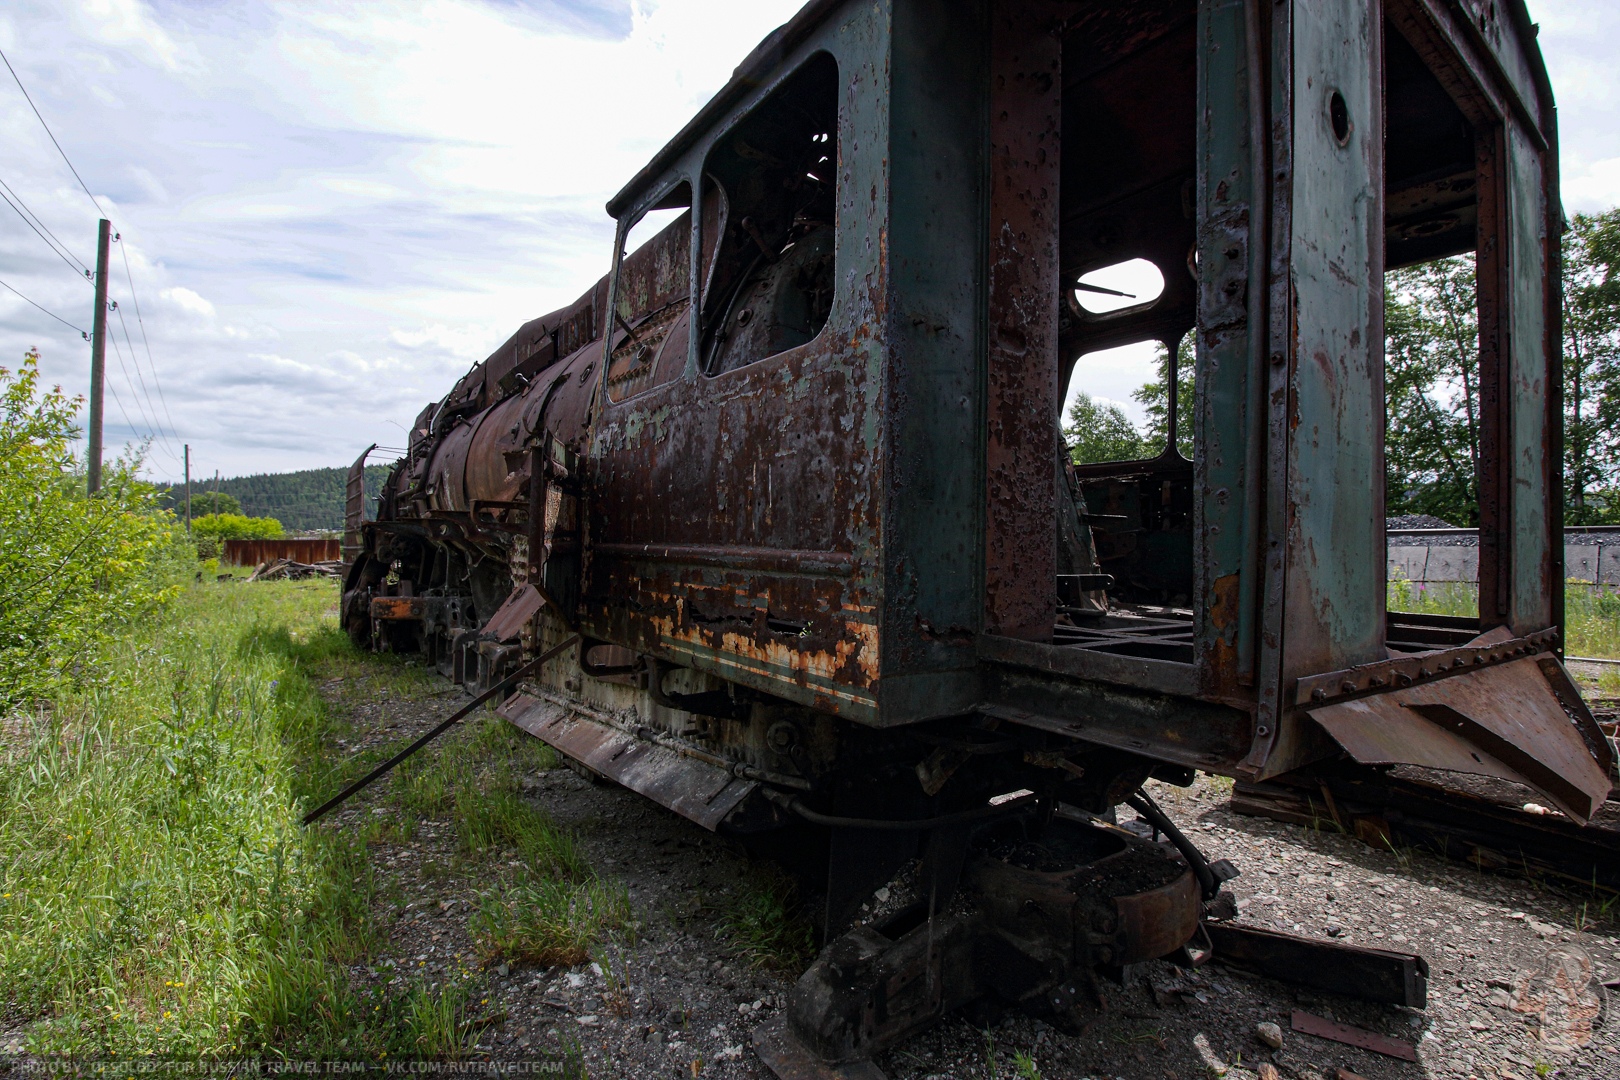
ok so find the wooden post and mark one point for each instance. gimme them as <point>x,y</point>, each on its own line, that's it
<point>188,487</point>
<point>98,357</point>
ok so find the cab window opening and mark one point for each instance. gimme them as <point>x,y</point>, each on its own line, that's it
<point>652,298</point>
<point>770,286</point>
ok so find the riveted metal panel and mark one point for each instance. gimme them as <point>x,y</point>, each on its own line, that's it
<point>1230,343</point>
<point>1026,91</point>
<point>932,420</point>
<point>780,457</point>
<point>1334,536</point>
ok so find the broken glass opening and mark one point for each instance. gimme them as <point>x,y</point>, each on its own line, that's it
<point>1134,283</point>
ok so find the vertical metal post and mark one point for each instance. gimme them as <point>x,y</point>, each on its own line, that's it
<point>98,355</point>
<point>188,487</point>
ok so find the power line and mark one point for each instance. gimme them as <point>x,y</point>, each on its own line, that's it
<point>84,266</point>
<point>136,361</point>
<point>155,435</point>
<point>150,362</point>
<point>48,131</point>
<point>47,311</point>
<point>120,403</point>
<point>119,353</point>
<point>50,242</point>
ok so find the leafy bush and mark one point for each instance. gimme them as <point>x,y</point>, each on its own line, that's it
<point>235,527</point>
<point>74,568</point>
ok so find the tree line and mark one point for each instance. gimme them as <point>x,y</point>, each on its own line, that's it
<point>1431,387</point>
<point>303,501</point>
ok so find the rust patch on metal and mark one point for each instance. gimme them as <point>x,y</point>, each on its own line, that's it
<point>398,607</point>
<point>696,790</point>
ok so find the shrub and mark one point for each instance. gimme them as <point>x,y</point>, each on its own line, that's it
<point>75,568</point>
<point>235,527</point>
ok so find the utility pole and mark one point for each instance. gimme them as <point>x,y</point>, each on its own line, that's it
<point>216,491</point>
<point>188,487</point>
<point>98,355</point>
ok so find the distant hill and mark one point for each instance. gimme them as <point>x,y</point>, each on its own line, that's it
<point>301,501</point>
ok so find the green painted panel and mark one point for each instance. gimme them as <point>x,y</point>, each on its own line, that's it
<point>1228,305</point>
<point>1333,592</point>
<point>931,423</point>
<point>1530,593</point>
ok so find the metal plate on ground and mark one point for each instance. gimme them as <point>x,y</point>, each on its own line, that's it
<point>1504,721</point>
<point>1378,975</point>
<point>694,789</point>
<point>1309,1024</point>
<point>789,1060</point>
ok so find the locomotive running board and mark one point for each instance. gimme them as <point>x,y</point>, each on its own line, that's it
<point>1492,708</point>
<point>693,788</point>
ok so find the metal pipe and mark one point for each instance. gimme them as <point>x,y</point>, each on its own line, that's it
<point>963,817</point>
<point>1144,805</point>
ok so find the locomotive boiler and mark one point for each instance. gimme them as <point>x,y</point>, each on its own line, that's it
<point>784,501</point>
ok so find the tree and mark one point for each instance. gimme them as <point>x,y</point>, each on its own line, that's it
<point>1591,253</point>
<point>1431,389</point>
<point>204,503</point>
<point>74,567</point>
<point>1154,396</point>
<point>1099,431</point>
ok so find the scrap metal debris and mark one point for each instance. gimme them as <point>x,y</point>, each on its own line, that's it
<point>290,570</point>
<point>1310,1024</point>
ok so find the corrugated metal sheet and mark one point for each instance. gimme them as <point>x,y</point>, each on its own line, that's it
<point>258,552</point>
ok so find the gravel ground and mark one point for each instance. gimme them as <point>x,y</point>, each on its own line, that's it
<point>1514,988</point>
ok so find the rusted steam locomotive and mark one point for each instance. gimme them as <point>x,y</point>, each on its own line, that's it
<point>784,502</point>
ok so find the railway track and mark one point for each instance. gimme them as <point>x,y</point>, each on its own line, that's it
<point>1491,824</point>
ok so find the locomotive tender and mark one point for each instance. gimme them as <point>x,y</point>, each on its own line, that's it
<point>789,481</point>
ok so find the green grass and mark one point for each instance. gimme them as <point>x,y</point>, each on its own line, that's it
<point>158,893</point>
<point>1592,616</point>
<point>550,921</point>
<point>762,923</point>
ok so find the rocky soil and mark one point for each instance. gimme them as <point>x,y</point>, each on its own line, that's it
<point>1515,988</point>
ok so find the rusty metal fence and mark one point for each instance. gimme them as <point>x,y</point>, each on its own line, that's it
<point>257,552</point>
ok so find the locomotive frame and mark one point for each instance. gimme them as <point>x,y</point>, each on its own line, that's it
<point>812,520</point>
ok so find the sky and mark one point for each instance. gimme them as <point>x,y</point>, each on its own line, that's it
<point>331,210</point>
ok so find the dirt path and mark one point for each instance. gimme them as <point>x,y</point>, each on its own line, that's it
<point>1514,988</point>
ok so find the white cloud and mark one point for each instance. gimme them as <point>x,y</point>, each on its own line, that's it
<point>188,302</point>
<point>331,209</point>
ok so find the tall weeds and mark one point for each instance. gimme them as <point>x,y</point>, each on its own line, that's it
<point>157,893</point>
